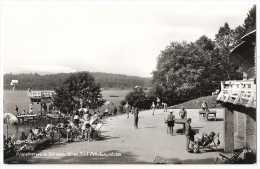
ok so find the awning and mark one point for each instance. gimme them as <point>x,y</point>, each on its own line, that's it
<point>243,55</point>
<point>250,37</point>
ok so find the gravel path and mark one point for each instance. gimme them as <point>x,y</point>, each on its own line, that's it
<point>137,146</point>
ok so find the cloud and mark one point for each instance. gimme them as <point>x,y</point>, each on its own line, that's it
<point>49,68</point>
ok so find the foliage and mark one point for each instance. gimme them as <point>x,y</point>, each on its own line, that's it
<point>135,97</point>
<point>191,70</point>
<point>250,21</point>
<point>49,82</point>
<point>78,90</point>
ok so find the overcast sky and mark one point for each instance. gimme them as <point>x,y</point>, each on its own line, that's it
<point>112,37</point>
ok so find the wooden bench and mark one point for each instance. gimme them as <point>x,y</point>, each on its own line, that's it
<point>212,113</point>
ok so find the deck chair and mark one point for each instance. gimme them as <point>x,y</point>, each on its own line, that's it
<point>97,132</point>
<point>210,142</point>
<point>232,159</point>
<point>64,134</point>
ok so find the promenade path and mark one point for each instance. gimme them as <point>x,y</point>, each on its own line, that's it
<point>138,146</point>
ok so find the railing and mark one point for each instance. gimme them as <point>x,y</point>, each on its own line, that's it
<point>239,92</point>
<point>40,94</point>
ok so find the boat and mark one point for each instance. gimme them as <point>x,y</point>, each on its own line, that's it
<point>113,95</point>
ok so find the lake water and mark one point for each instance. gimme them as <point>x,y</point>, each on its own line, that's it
<point>19,98</point>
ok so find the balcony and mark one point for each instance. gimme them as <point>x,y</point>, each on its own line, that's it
<point>238,92</point>
<point>40,94</point>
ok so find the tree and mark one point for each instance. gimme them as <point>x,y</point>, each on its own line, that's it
<point>78,90</point>
<point>225,42</point>
<point>250,21</point>
<point>135,97</point>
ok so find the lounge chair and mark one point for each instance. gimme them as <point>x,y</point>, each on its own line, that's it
<point>210,142</point>
<point>65,134</point>
<point>233,159</point>
<point>97,132</point>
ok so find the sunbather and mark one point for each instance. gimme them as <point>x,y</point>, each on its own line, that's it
<point>23,136</point>
<point>204,141</point>
<point>31,136</point>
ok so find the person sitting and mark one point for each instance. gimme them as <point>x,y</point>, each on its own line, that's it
<point>31,136</point>
<point>23,113</point>
<point>31,111</point>
<point>204,141</point>
<point>23,136</point>
<point>115,110</point>
<point>183,113</point>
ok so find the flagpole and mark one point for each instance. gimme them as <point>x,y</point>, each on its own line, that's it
<point>7,131</point>
<point>7,125</point>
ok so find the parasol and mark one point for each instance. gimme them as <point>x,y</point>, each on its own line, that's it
<point>9,118</point>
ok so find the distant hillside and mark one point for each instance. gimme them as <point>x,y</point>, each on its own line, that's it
<point>50,81</point>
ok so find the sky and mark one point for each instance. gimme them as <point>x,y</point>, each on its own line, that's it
<point>97,36</point>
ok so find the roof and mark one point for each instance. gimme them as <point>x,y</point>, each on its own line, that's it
<point>250,37</point>
<point>243,54</point>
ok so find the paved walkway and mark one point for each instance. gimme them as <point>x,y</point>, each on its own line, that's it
<point>138,146</point>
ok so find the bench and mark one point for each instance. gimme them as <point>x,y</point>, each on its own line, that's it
<point>212,113</point>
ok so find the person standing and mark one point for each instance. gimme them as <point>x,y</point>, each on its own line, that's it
<point>170,122</point>
<point>189,134</point>
<point>136,112</point>
<point>205,108</point>
<point>127,109</point>
<point>16,109</point>
<point>164,107</point>
<point>158,103</point>
<point>183,113</point>
<point>153,107</point>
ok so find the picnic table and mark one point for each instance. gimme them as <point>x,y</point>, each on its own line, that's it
<point>28,117</point>
<point>181,121</point>
<point>202,115</point>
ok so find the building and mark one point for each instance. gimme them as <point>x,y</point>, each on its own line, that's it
<point>238,98</point>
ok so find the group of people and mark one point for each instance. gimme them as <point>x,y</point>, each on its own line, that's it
<point>203,141</point>
<point>170,119</point>
<point>33,136</point>
<point>153,106</point>
<point>189,133</point>
<point>30,112</point>
<point>8,144</point>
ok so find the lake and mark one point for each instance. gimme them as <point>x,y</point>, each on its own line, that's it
<point>19,98</point>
